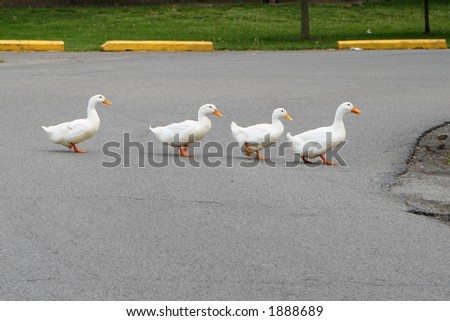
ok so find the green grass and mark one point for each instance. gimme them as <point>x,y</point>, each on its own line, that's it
<point>230,27</point>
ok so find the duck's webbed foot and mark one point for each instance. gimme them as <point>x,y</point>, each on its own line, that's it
<point>248,149</point>
<point>76,149</point>
<point>258,157</point>
<point>184,153</point>
<point>326,161</point>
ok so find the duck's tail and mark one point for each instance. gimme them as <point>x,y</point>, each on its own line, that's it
<point>289,137</point>
<point>160,132</point>
<point>46,129</point>
<point>236,130</point>
<point>156,130</point>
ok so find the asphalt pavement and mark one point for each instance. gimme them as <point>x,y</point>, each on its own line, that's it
<point>77,227</point>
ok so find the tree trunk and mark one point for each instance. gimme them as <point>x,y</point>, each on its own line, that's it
<point>305,18</point>
<point>427,17</point>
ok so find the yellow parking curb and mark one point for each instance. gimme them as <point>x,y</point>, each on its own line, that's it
<point>393,44</point>
<point>157,45</point>
<point>31,45</point>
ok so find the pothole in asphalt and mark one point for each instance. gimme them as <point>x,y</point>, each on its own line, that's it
<point>425,185</point>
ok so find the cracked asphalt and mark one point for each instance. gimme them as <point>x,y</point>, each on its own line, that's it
<point>425,184</point>
<point>73,230</point>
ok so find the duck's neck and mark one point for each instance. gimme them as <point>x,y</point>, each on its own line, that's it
<point>339,117</point>
<point>202,118</point>
<point>276,122</point>
<point>92,113</point>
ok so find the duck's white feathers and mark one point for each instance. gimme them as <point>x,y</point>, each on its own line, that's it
<point>254,134</point>
<point>78,130</point>
<point>74,132</point>
<point>259,136</point>
<point>180,134</point>
<point>188,131</point>
<point>313,143</point>
<point>319,141</point>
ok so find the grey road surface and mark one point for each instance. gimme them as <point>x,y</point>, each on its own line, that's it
<point>72,229</point>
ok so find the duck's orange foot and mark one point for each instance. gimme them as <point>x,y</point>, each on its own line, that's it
<point>326,161</point>
<point>259,157</point>
<point>248,150</point>
<point>76,149</point>
<point>184,153</point>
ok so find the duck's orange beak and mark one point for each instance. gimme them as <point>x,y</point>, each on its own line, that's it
<point>355,110</point>
<point>288,117</point>
<point>107,102</point>
<point>217,113</point>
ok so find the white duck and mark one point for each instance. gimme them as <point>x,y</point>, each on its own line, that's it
<point>314,143</point>
<point>182,134</point>
<point>71,133</point>
<point>256,137</point>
